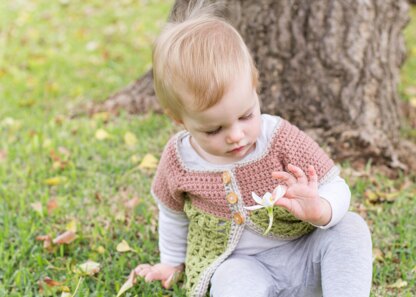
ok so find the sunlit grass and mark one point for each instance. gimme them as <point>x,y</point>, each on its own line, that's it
<point>57,54</point>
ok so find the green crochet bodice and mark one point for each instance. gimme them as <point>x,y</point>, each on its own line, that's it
<point>207,240</point>
<point>285,225</point>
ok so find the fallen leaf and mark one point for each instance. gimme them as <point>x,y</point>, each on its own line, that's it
<point>37,206</point>
<point>47,241</point>
<point>130,139</point>
<point>90,267</point>
<point>101,134</point>
<point>3,155</point>
<point>65,238</point>
<point>50,282</point>
<point>66,294</point>
<point>123,247</point>
<point>54,181</point>
<point>134,159</point>
<point>148,162</point>
<point>378,255</point>
<point>398,284</point>
<point>72,226</point>
<point>51,205</point>
<point>132,203</point>
<point>103,116</point>
<point>120,216</point>
<point>101,249</point>
<point>126,286</point>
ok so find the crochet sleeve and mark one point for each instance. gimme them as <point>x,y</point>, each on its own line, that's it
<point>165,185</point>
<point>301,150</point>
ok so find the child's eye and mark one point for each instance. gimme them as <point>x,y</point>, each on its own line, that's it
<point>246,117</point>
<point>216,131</point>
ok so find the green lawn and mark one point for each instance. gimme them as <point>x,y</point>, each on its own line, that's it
<point>55,55</point>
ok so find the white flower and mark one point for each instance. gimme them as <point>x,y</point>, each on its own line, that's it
<point>267,202</point>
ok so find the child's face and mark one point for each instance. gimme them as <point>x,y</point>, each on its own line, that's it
<point>227,131</point>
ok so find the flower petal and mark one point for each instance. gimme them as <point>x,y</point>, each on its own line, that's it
<point>268,199</point>
<point>257,198</point>
<point>254,207</point>
<point>278,192</point>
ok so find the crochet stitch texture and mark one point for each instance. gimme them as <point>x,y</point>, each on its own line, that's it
<point>217,222</point>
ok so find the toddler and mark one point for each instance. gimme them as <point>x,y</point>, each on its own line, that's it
<point>206,81</point>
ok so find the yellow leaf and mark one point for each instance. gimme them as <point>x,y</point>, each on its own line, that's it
<point>37,206</point>
<point>378,255</point>
<point>90,267</point>
<point>54,181</point>
<point>130,139</point>
<point>103,116</point>
<point>398,284</point>
<point>134,159</point>
<point>101,134</point>
<point>148,162</point>
<point>126,286</point>
<point>123,247</point>
<point>101,250</point>
<point>72,226</point>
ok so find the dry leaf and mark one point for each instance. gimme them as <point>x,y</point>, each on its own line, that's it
<point>398,284</point>
<point>3,155</point>
<point>101,134</point>
<point>120,216</point>
<point>378,255</point>
<point>90,267</point>
<point>37,206</point>
<point>72,226</point>
<point>47,241</point>
<point>132,203</point>
<point>126,286</point>
<point>134,159</point>
<point>148,162</point>
<point>101,249</point>
<point>51,205</point>
<point>50,282</point>
<point>102,116</point>
<point>54,181</point>
<point>65,238</point>
<point>130,139</point>
<point>123,247</point>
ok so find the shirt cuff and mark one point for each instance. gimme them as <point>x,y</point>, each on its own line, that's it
<point>338,195</point>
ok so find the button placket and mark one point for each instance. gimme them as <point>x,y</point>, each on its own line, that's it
<point>233,199</point>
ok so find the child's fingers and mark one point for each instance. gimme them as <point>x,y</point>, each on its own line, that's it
<point>284,177</point>
<point>298,173</point>
<point>142,269</point>
<point>313,177</point>
<point>155,274</point>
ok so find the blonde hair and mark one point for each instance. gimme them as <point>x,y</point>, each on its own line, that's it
<point>195,61</point>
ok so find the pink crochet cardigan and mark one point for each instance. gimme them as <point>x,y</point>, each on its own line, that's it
<point>214,200</point>
<point>173,181</point>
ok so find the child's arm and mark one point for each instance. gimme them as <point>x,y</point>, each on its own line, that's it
<point>303,198</point>
<point>173,230</point>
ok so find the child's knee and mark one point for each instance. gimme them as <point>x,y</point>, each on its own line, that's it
<point>352,228</point>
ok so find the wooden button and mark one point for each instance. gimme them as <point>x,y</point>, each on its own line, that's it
<point>232,198</point>
<point>238,218</point>
<point>226,177</point>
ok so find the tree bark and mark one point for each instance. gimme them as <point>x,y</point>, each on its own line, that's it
<point>331,67</point>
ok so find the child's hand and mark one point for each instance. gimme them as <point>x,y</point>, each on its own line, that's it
<point>167,274</point>
<point>302,198</point>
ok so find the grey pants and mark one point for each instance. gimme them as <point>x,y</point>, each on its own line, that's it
<point>335,262</point>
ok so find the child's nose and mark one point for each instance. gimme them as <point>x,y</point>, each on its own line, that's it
<point>235,135</point>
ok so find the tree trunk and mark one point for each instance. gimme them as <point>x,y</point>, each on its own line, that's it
<point>330,66</point>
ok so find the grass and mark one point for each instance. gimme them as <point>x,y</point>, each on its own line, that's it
<point>56,54</point>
